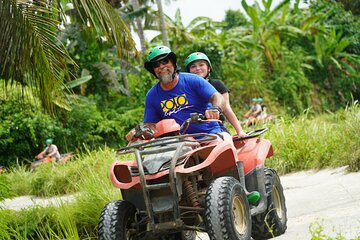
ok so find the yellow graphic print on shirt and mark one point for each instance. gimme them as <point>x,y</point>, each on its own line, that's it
<point>174,104</point>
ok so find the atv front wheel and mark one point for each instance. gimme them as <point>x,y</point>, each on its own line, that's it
<point>272,222</point>
<point>115,221</point>
<point>227,213</point>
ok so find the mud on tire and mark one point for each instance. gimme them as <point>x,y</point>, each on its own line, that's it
<point>115,221</point>
<point>227,213</point>
<point>272,222</point>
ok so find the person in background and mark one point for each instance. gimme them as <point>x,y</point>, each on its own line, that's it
<point>178,94</point>
<point>263,115</point>
<point>51,150</point>
<point>199,64</point>
<point>254,112</point>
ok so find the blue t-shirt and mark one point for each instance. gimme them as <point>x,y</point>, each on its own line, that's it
<point>190,95</point>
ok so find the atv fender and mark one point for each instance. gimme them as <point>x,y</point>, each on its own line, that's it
<point>120,175</point>
<point>254,152</point>
<point>219,158</point>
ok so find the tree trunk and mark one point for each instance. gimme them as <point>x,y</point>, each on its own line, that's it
<point>126,84</point>
<point>140,30</point>
<point>162,24</point>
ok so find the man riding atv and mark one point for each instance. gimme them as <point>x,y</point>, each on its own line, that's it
<point>50,154</point>
<point>187,175</point>
<point>50,151</point>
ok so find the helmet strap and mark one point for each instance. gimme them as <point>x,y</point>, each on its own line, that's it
<point>207,76</point>
<point>176,70</point>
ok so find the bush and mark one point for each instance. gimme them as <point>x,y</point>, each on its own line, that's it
<point>290,84</point>
<point>23,129</point>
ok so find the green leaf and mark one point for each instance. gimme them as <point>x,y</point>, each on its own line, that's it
<point>77,82</point>
<point>337,64</point>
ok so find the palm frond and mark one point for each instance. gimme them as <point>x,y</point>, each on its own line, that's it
<point>109,23</point>
<point>77,82</point>
<point>30,53</point>
<point>109,74</point>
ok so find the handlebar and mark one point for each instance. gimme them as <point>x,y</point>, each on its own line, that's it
<point>252,134</point>
<point>195,118</point>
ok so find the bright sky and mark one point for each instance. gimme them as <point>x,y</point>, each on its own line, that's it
<point>214,9</point>
<point>191,9</point>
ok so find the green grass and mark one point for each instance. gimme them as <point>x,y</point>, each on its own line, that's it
<point>5,190</point>
<point>317,233</point>
<point>52,180</point>
<point>329,140</point>
<point>88,176</point>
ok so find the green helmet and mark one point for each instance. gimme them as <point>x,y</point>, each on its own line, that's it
<point>49,141</point>
<point>254,100</point>
<point>260,100</point>
<point>196,56</point>
<point>156,54</point>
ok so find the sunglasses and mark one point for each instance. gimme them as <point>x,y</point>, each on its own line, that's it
<point>162,61</point>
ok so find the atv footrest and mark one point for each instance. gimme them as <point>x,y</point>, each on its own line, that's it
<point>157,186</point>
<point>178,223</point>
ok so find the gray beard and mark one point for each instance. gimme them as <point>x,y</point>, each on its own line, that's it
<point>165,79</point>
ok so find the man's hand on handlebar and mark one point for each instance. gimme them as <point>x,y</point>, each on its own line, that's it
<point>242,134</point>
<point>214,113</point>
<point>141,131</point>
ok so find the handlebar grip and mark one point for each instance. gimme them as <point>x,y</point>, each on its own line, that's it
<point>222,117</point>
<point>252,134</point>
<point>221,114</point>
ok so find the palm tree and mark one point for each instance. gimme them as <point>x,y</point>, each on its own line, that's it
<point>30,53</point>
<point>159,23</point>
<point>198,28</point>
<point>266,23</point>
<point>133,15</point>
<point>139,27</point>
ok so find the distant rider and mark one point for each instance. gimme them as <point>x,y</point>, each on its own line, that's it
<point>254,112</point>
<point>51,150</point>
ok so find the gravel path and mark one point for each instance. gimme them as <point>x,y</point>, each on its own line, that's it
<point>24,202</point>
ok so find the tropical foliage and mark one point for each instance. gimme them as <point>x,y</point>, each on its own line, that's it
<point>65,73</point>
<point>31,53</point>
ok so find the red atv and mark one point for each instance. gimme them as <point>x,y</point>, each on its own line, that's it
<point>42,159</point>
<point>181,184</point>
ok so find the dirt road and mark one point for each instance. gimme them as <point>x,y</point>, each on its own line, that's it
<point>328,197</point>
